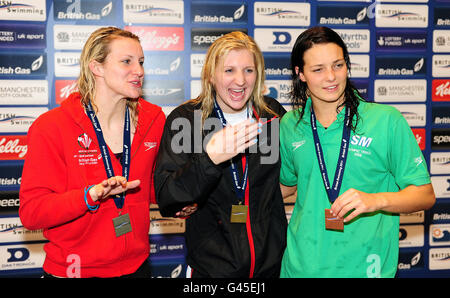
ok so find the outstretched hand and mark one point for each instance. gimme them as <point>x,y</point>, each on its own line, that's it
<point>112,186</point>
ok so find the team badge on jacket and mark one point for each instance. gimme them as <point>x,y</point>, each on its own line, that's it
<point>84,141</point>
<point>85,155</point>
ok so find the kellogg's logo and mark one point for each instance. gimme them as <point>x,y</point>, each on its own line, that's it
<point>420,134</point>
<point>440,90</point>
<point>63,88</point>
<point>13,147</point>
<point>159,38</point>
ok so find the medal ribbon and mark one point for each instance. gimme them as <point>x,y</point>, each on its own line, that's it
<point>238,187</point>
<point>118,199</point>
<point>332,192</point>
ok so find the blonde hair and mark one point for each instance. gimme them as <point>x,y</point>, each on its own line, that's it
<point>220,48</point>
<point>97,47</point>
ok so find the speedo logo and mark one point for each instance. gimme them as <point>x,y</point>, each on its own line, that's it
<point>297,145</point>
<point>361,141</point>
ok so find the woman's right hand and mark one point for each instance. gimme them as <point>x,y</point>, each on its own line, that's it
<point>112,186</point>
<point>232,140</point>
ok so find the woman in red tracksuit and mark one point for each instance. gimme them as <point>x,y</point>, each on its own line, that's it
<point>90,189</point>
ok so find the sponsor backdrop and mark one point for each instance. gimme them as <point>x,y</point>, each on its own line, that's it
<point>400,53</point>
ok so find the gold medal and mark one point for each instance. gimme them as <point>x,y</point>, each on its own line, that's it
<point>239,214</point>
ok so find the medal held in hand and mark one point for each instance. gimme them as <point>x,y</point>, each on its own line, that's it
<point>331,221</point>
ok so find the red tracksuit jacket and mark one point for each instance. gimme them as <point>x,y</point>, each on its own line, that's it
<point>63,158</point>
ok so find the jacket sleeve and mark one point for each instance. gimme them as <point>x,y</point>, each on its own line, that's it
<point>44,200</point>
<point>182,178</point>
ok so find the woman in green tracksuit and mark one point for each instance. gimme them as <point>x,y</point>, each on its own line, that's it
<point>354,162</point>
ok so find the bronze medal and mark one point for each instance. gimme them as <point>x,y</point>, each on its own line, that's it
<point>332,222</point>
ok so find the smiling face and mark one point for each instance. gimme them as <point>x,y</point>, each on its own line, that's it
<point>324,72</point>
<point>234,80</point>
<point>122,73</point>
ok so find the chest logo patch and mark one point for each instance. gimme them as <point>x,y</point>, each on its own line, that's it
<point>150,145</point>
<point>298,144</point>
<point>361,145</point>
<point>84,141</point>
<point>85,156</point>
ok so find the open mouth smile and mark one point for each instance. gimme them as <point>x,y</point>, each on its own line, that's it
<point>237,94</point>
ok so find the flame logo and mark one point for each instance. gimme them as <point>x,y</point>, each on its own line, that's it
<point>107,9</point>
<point>239,12</point>
<point>361,15</point>
<point>418,65</point>
<point>37,63</point>
<point>415,259</point>
<point>176,272</point>
<point>175,64</point>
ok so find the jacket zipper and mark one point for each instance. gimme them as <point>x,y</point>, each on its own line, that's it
<point>248,224</point>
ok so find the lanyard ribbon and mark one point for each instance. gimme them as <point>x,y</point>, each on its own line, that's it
<point>118,199</point>
<point>333,192</point>
<point>238,187</point>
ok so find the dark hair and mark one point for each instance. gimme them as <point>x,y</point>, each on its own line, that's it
<point>306,40</point>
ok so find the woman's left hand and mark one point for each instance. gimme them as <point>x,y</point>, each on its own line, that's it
<point>187,211</point>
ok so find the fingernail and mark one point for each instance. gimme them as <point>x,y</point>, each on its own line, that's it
<point>252,120</point>
<point>259,130</point>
